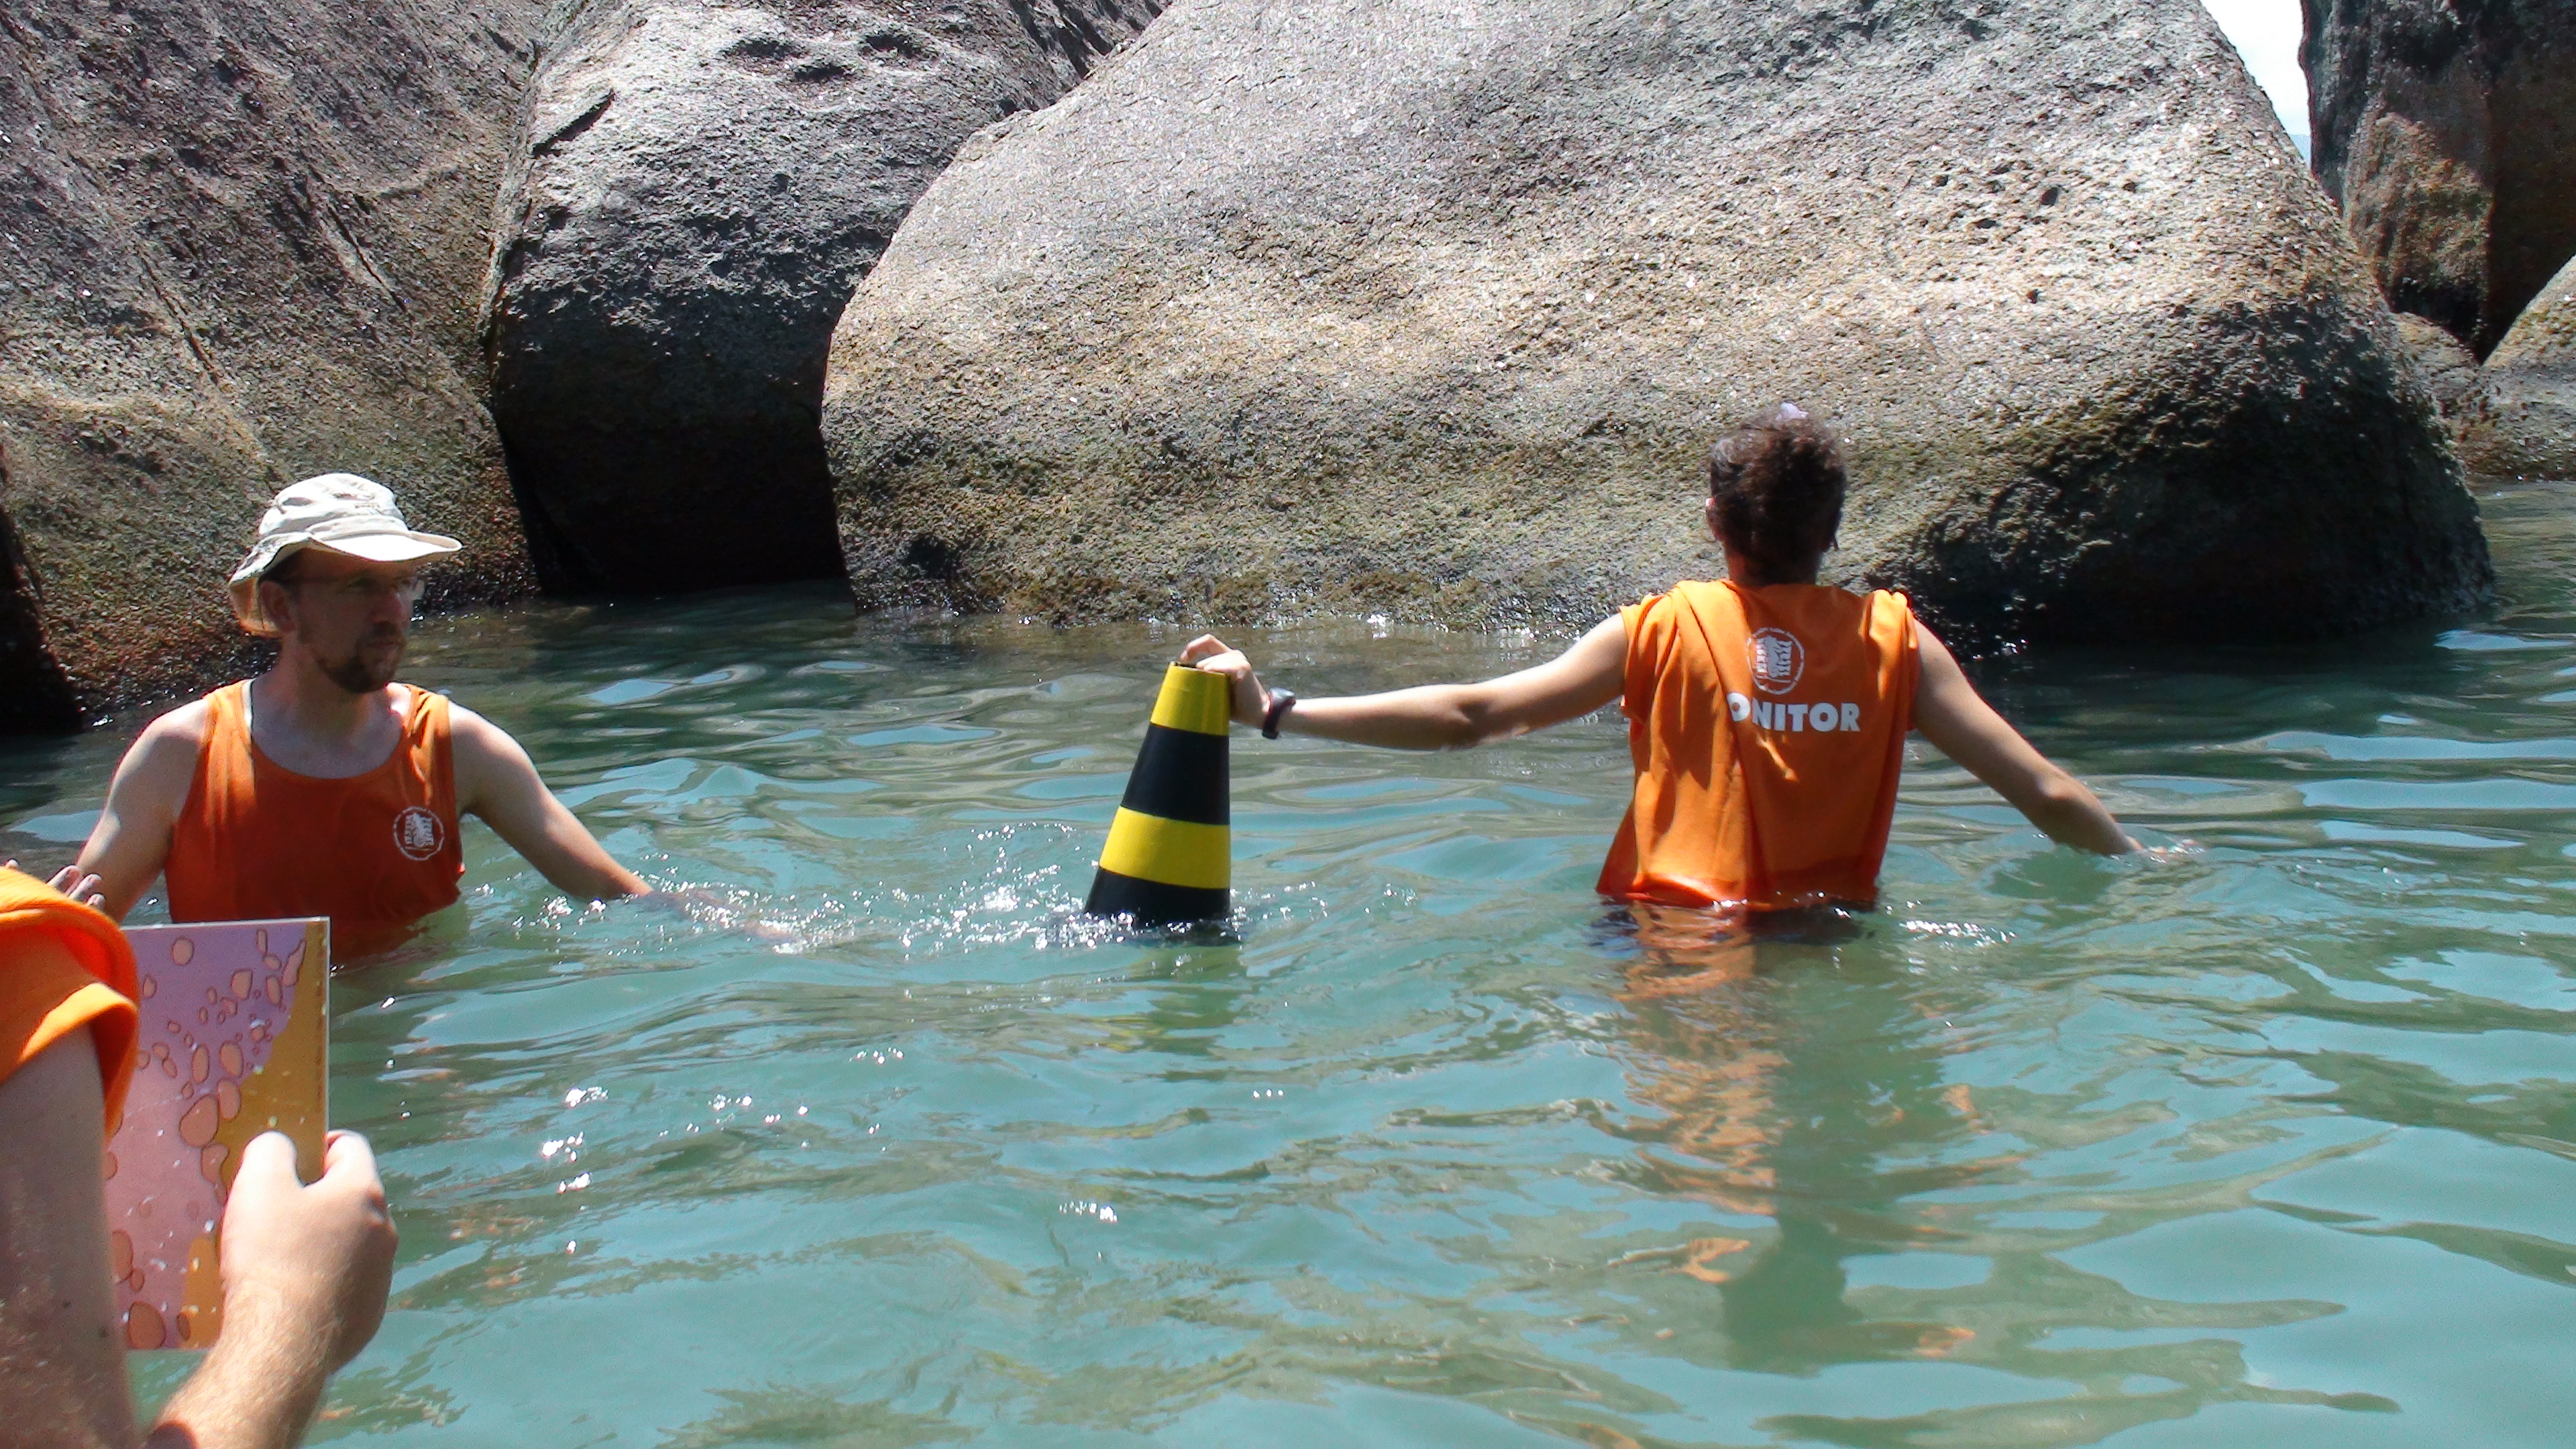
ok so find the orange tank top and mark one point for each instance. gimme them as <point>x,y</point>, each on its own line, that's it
<point>1768,729</point>
<point>374,852</point>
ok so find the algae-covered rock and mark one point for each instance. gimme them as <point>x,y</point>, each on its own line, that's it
<point>2447,129</point>
<point>245,241</point>
<point>1436,306</point>
<point>698,189</point>
<point>2526,423</point>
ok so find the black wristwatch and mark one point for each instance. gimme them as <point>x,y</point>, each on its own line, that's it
<point>1281,701</point>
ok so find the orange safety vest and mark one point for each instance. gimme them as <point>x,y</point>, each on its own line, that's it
<point>45,997</point>
<point>374,852</point>
<point>1768,729</point>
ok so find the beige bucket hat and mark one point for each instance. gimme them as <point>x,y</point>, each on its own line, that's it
<point>340,512</point>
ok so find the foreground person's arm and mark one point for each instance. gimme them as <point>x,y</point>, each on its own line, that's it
<point>498,783</point>
<point>304,1272</point>
<point>62,1362</point>
<point>1440,716</point>
<point>1960,724</point>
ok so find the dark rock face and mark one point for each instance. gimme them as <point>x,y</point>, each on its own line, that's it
<point>2447,130</point>
<point>2450,369</point>
<point>1437,308</point>
<point>699,188</point>
<point>2526,423</point>
<point>244,243</point>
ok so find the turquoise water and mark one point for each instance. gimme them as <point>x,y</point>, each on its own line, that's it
<point>2275,1144</point>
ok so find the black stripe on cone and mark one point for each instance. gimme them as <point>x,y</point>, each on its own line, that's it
<point>1152,903</point>
<point>1180,775</point>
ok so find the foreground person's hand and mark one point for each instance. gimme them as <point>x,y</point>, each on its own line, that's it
<point>1250,701</point>
<point>305,1272</point>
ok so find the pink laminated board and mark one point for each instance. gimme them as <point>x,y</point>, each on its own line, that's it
<point>234,1041</point>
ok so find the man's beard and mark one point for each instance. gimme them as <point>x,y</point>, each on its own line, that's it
<point>366,668</point>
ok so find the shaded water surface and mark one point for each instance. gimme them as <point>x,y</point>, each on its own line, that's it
<point>2272,1145</point>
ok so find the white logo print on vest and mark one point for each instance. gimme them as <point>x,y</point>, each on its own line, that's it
<point>1779,660</point>
<point>418,834</point>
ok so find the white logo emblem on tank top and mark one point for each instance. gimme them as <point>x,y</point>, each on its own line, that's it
<point>418,834</point>
<point>1779,660</point>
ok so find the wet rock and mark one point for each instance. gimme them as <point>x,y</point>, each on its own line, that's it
<point>2525,425</point>
<point>699,187</point>
<point>245,242</point>
<point>2447,130</point>
<point>1435,309</point>
<point>2450,369</point>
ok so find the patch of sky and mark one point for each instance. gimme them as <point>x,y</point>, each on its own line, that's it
<point>2266,34</point>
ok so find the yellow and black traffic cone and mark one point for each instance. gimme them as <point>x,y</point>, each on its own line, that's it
<point>1170,857</point>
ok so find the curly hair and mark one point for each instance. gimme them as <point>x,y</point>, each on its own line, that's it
<point>1778,489</point>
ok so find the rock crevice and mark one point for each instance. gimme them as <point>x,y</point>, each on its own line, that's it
<point>699,188</point>
<point>2446,129</point>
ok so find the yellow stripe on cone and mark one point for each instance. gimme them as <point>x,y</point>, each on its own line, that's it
<point>1195,700</point>
<point>1171,852</point>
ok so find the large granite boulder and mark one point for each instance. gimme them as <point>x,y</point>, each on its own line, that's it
<point>245,241</point>
<point>698,188</point>
<point>1435,308</point>
<point>2526,422</point>
<point>2447,129</point>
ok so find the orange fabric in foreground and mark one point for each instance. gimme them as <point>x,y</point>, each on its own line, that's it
<point>374,852</point>
<point>63,966</point>
<point>1768,729</point>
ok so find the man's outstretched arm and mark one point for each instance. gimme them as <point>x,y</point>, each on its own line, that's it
<point>1441,716</point>
<point>1960,724</point>
<point>498,783</point>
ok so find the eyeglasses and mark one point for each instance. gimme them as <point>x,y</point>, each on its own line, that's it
<point>367,589</point>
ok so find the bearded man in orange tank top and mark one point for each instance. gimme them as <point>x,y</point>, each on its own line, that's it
<point>322,787</point>
<point>1767,713</point>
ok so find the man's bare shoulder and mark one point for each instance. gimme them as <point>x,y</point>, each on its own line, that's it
<point>485,753</point>
<point>162,763</point>
<point>472,731</point>
<point>182,730</point>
